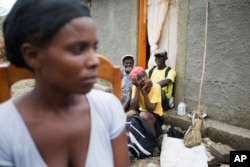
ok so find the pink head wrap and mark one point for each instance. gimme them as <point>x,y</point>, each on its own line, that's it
<point>135,71</point>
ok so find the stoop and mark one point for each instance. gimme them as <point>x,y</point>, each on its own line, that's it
<point>221,152</point>
<point>235,137</point>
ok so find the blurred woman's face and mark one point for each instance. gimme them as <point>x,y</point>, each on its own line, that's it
<point>69,62</point>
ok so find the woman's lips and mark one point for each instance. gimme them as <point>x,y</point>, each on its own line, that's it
<point>90,80</point>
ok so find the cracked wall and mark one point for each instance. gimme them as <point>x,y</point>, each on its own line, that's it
<point>226,88</point>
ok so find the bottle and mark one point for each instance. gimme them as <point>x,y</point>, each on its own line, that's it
<point>181,109</point>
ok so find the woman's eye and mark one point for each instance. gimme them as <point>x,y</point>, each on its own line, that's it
<point>95,47</point>
<point>78,48</point>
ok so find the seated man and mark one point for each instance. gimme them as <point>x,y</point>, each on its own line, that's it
<point>164,76</point>
<point>146,101</point>
<point>126,84</point>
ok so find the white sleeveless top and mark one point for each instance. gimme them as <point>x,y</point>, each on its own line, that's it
<point>17,148</point>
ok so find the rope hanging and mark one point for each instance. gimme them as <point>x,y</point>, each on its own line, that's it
<point>204,60</point>
<point>193,135</point>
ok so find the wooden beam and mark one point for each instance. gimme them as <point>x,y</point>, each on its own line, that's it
<point>142,34</point>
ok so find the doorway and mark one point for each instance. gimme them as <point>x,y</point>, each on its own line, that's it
<point>168,37</point>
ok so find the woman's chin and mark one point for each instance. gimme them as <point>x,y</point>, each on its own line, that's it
<point>85,90</point>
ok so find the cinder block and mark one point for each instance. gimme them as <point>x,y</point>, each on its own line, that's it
<point>221,152</point>
<point>212,161</point>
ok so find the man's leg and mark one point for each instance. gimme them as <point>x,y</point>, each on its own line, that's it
<point>150,119</point>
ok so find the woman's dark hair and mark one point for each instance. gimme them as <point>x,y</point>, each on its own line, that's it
<point>36,22</point>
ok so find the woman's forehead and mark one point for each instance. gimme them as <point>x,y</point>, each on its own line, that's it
<point>80,24</point>
<point>82,28</point>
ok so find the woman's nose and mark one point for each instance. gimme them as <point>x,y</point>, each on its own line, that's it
<point>93,60</point>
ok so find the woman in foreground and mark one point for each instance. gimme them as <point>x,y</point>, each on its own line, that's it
<point>62,122</point>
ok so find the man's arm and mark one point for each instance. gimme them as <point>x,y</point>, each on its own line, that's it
<point>170,78</point>
<point>149,106</point>
<point>134,102</point>
<point>120,150</point>
<point>145,90</point>
<point>164,82</point>
<point>126,104</point>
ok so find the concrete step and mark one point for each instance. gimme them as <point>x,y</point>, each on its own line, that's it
<point>221,152</point>
<point>235,137</point>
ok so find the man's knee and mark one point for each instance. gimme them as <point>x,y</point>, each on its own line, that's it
<point>130,114</point>
<point>148,117</point>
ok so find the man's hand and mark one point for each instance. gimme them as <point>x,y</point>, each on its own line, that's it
<point>128,69</point>
<point>135,81</point>
<point>147,87</point>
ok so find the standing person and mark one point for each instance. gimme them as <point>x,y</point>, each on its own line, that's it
<point>62,122</point>
<point>146,101</point>
<point>126,84</point>
<point>164,76</point>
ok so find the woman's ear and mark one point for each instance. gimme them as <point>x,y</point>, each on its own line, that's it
<point>30,55</point>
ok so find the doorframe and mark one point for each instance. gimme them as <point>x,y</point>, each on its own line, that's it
<point>142,34</point>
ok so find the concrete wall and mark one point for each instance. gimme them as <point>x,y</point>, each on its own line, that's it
<point>117,27</point>
<point>226,88</point>
<point>1,26</point>
<point>1,21</point>
<point>117,23</point>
